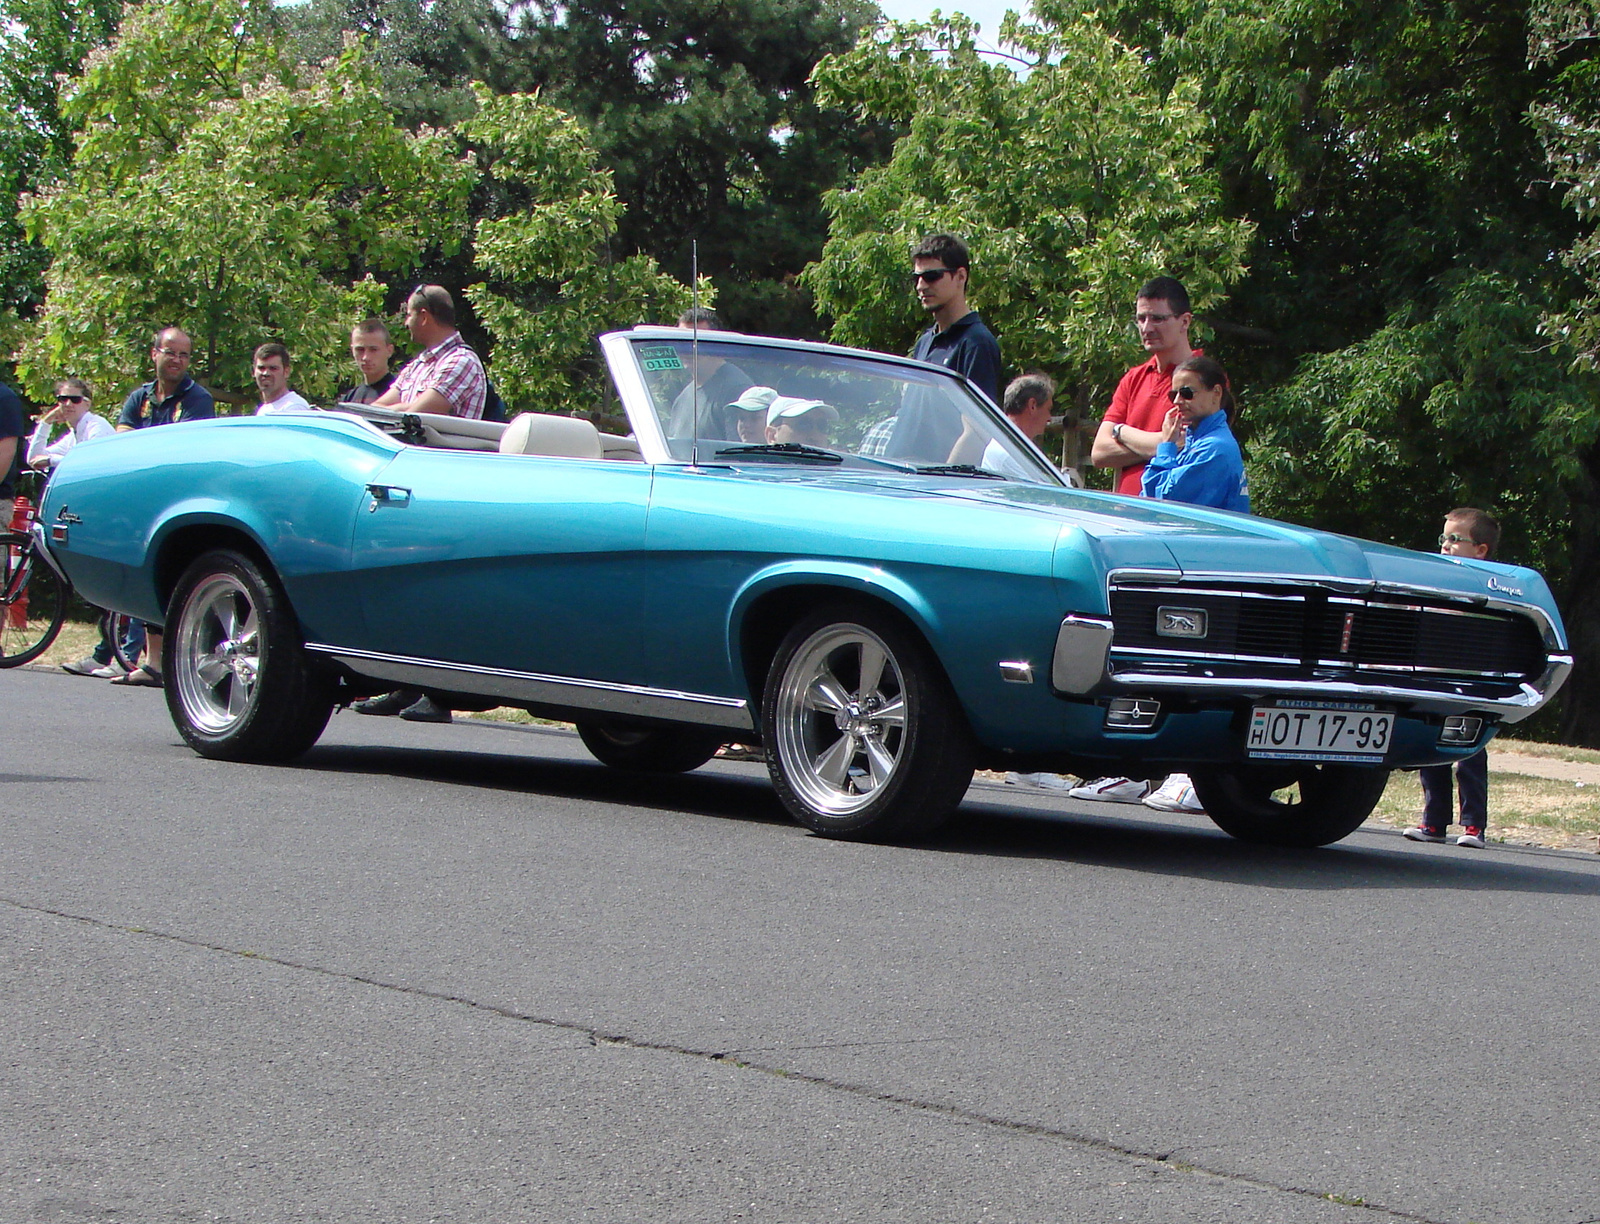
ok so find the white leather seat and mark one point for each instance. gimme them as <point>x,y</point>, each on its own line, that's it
<point>540,433</point>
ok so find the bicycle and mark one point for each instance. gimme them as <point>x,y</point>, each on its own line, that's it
<point>33,597</point>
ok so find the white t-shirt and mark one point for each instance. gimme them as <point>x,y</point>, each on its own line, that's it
<point>89,426</point>
<point>289,401</point>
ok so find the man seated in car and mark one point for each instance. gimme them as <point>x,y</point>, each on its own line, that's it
<point>802,421</point>
<point>749,414</point>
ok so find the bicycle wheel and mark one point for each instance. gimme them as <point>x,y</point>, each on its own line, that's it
<point>33,602</point>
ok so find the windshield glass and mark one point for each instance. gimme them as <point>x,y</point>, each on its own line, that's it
<point>751,403</point>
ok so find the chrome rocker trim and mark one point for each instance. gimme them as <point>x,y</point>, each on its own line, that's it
<point>538,689</point>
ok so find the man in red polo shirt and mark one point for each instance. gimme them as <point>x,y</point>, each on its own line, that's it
<point>1131,429</point>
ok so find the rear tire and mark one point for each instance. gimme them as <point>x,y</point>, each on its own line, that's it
<point>864,737</point>
<point>239,685</point>
<point>1334,801</point>
<point>647,749</point>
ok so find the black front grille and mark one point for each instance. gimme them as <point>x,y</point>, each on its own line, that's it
<point>1313,629</point>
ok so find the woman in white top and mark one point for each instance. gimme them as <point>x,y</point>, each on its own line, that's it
<point>72,410</point>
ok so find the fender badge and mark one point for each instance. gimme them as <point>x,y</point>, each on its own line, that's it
<point>1496,585</point>
<point>66,516</point>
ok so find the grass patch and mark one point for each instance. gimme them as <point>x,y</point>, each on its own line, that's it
<point>1522,810</point>
<point>1553,752</point>
<point>510,714</point>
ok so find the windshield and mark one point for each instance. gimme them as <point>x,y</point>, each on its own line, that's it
<point>751,403</point>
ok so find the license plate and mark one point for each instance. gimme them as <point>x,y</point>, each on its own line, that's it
<point>1319,731</point>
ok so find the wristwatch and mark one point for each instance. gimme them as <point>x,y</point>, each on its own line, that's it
<point>1116,433</point>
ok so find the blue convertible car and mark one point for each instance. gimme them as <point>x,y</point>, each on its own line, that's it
<point>852,558</point>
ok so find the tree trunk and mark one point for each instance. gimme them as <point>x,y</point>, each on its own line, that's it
<point>1580,709</point>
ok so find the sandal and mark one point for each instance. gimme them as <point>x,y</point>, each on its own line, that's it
<point>140,677</point>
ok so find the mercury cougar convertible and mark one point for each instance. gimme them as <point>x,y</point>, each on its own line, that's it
<point>851,558</point>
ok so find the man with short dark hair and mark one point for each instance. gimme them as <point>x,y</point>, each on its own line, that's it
<point>446,377</point>
<point>372,349</point>
<point>169,398</point>
<point>700,409</point>
<point>272,380</point>
<point>1131,429</point>
<point>958,339</point>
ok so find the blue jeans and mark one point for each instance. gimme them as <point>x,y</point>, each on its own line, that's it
<point>1472,776</point>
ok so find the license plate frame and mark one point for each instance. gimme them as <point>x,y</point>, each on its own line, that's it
<point>1341,732</point>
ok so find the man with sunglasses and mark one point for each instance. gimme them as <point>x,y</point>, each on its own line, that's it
<point>73,403</point>
<point>959,340</point>
<point>446,377</point>
<point>172,396</point>
<point>1131,429</point>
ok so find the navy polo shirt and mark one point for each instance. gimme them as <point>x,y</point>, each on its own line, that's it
<point>190,402</point>
<point>13,424</point>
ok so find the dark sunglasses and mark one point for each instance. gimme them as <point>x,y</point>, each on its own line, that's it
<point>71,399</point>
<point>931,276</point>
<point>1180,393</point>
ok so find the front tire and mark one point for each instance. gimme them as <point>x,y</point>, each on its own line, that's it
<point>864,737</point>
<point>35,601</point>
<point>238,682</point>
<point>648,749</point>
<point>1333,801</point>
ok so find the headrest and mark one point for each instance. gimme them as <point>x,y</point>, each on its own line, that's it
<point>541,433</point>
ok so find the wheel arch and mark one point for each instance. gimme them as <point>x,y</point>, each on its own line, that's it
<point>181,541</point>
<point>773,601</point>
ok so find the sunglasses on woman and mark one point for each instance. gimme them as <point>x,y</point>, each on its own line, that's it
<point>1180,393</point>
<point>70,399</point>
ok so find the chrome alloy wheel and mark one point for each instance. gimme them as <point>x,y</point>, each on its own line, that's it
<point>216,660</point>
<point>840,721</point>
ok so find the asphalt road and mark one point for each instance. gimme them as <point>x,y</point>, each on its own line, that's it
<point>465,973</point>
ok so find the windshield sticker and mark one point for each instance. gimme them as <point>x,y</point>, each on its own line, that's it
<point>659,357</point>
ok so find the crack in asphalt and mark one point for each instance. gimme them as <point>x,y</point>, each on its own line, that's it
<point>598,1037</point>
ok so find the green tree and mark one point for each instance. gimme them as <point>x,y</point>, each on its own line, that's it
<point>223,190</point>
<point>1072,183</point>
<point>40,42</point>
<point>545,248</point>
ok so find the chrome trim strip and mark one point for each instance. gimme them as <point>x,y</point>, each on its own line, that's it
<point>1083,646</point>
<point>1510,709</point>
<point>41,547</point>
<point>537,688</point>
<point>1215,656</point>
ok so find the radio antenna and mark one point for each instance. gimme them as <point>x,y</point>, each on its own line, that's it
<point>694,352</point>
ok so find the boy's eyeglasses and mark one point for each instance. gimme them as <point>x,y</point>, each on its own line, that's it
<point>71,399</point>
<point>930,276</point>
<point>1180,393</point>
<point>1451,537</point>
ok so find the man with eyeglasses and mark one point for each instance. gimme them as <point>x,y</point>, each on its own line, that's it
<point>172,396</point>
<point>446,377</point>
<point>1131,429</point>
<point>926,429</point>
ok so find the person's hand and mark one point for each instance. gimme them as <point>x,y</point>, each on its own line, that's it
<point>52,416</point>
<point>1174,428</point>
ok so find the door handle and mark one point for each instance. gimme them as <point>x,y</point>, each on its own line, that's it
<point>388,495</point>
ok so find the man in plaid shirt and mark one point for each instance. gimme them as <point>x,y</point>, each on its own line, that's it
<point>446,377</point>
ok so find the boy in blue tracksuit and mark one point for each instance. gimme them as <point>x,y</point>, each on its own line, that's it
<point>1197,460</point>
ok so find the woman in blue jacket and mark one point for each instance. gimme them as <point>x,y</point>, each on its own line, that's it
<point>1197,460</point>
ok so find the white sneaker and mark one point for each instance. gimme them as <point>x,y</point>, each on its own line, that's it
<point>1044,781</point>
<point>83,667</point>
<point>1112,790</point>
<point>1175,795</point>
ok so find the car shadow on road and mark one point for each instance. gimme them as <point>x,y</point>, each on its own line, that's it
<point>1141,843</point>
<point>701,794</point>
<point>1140,840</point>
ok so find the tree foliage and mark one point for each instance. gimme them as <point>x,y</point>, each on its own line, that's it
<point>1072,184</point>
<point>543,247</point>
<point>228,192</point>
<point>41,41</point>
